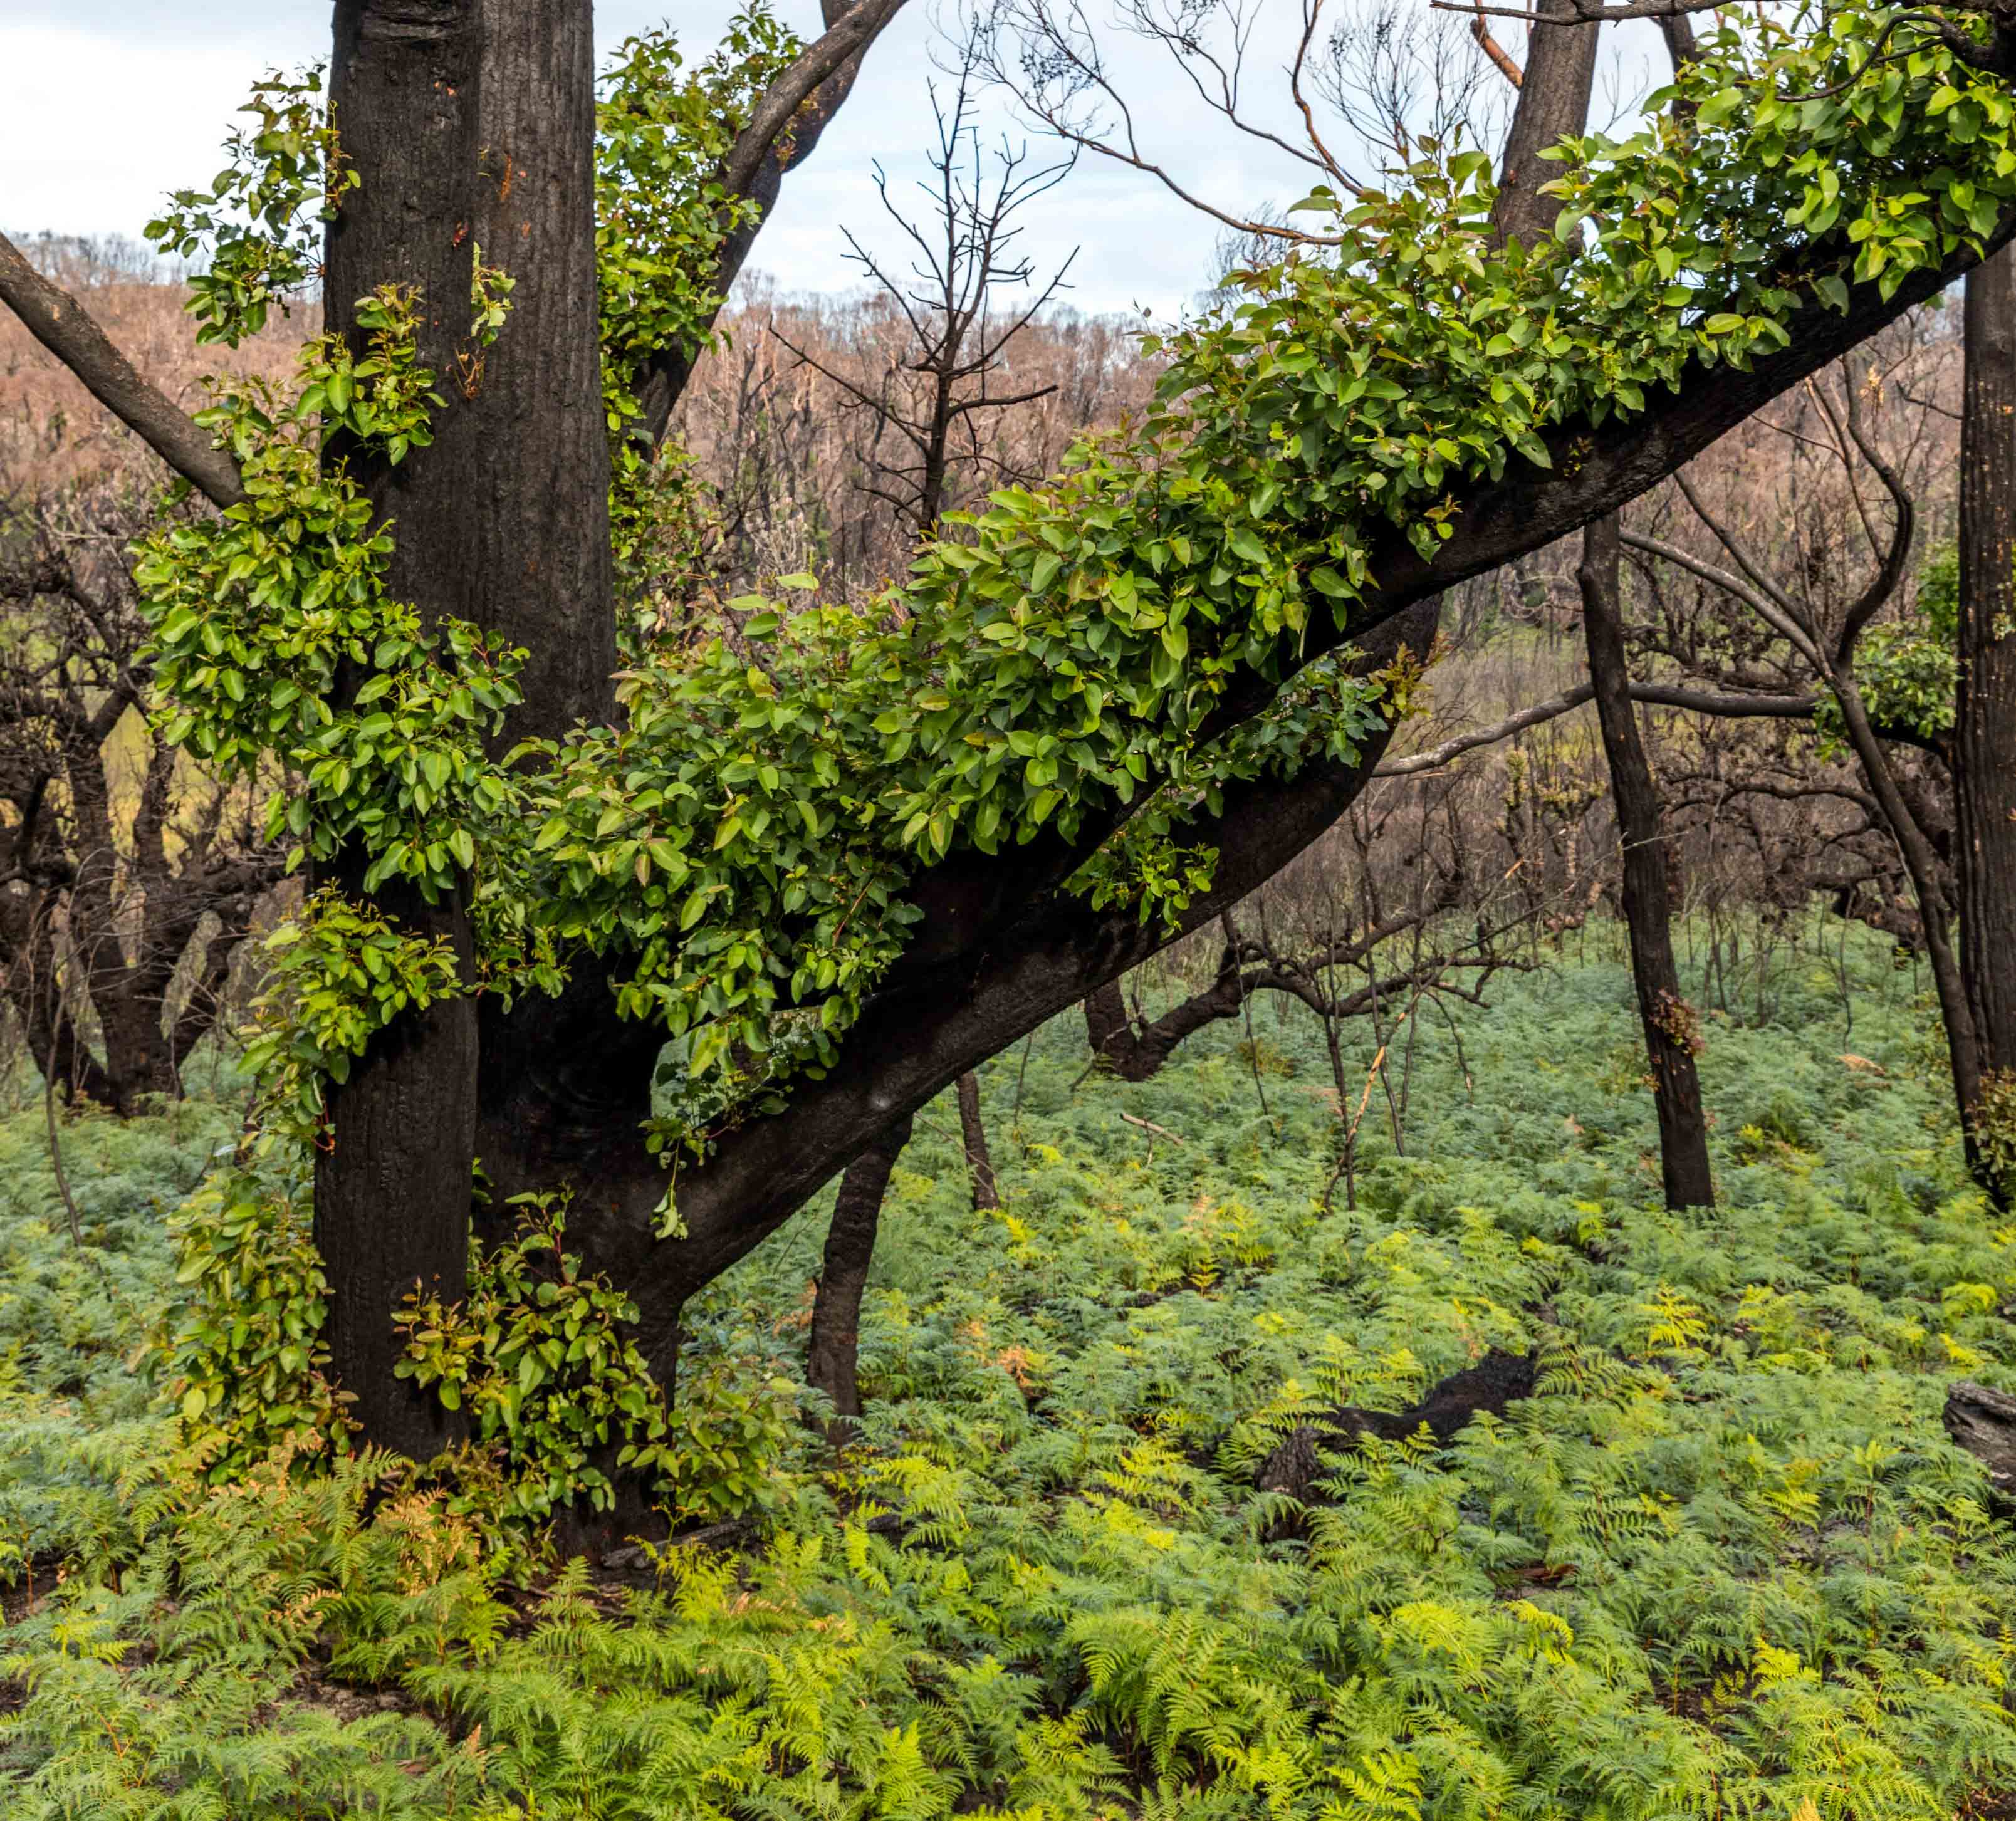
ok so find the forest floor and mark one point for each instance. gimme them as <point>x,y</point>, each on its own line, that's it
<point>1724,1562</point>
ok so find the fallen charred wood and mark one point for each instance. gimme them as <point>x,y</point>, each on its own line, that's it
<point>1983,1422</point>
<point>1498,1379</point>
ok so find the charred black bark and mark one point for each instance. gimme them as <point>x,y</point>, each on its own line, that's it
<point>1553,105</point>
<point>973,1137</point>
<point>1983,1422</point>
<point>540,521</point>
<point>537,509</point>
<point>1984,737</point>
<point>392,1186</point>
<point>1138,1055</point>
<point>1108,1027</point>
<point>1497,1381</point>
<point>835,1343</point>
<point>1671,1041</point>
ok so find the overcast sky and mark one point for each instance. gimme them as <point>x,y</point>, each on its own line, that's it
<point>107,105</point>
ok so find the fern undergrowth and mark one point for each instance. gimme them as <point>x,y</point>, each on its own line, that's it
<point>1726,1562</point>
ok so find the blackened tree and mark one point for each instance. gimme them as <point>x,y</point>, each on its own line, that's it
<point>843,875</point>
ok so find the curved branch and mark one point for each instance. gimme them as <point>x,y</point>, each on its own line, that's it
<point>63,327</point>
<point>825,56</point>
<point>1767,608</point>
<point>759,166</point>
<point>1890,569</point>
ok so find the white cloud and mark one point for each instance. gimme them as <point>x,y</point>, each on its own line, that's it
<point>103,110</point>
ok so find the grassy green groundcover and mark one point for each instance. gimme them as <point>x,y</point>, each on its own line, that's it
<point>1726,1562</point>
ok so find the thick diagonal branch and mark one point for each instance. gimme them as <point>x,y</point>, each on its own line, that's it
<point>1002,946</point>
<point>63,327</point>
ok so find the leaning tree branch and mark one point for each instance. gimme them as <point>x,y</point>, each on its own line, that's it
<point>63,327</point>
<point>1002,944</point>
<point>814,86</point>
<point>824,56</point>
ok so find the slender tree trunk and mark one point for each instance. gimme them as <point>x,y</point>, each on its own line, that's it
<point>1668,1019</point>
<point>393,1185</point>
<point>972,1131</point>
<point>1984,745</point>
<point>850,1247</point>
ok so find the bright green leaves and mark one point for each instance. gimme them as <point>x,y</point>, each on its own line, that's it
<point>254,236</point>
<point>662,215</point>
<point>539,1356</point>
<point>262,613</point>
<point>748,840</point>
<point>243,1364</point>
<point>381,401</point>
<point>742,846</point>
<point>339,974</point>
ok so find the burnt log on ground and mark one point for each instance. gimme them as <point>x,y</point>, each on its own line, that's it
<point>1495,1382</point>
<point>1983,1422</point>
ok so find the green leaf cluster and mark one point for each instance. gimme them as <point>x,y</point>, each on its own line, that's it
<point>242,1364</point>
<point>257,230</point>
<point>662,216</point>
<point>338,975</point>
<point>541,1355</point>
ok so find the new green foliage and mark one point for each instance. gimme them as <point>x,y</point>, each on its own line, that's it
<point>742,844</point>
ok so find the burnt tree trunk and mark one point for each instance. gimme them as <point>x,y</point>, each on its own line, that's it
<point>835,1343</point>
<point>541,529</point>
<point>1107,1027</point>
<point>1984,739</point>
<point>1553,104</point>
<point>1668,1019</point>
<point>540,571</point>
<point>393,1180</point>
<point>973,1135</point>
